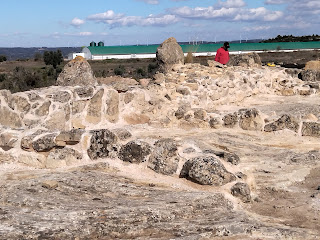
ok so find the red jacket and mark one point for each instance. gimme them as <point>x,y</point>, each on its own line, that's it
<point>222,56</point>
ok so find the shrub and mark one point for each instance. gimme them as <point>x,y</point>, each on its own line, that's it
<point>3,77</point>
<point>152,67</point>
<point>119,71</point>
<point>189,58</point>
<point>3,58</point>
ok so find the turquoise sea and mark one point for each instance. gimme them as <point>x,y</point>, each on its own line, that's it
<point>140,49</point>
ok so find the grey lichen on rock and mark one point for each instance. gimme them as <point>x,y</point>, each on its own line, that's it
<point>44,143</point>
<point>77,72</point>
<point>285,122</point>
<point>135,151</point>
<point>251,119</point>
<point>242,191</point>
<point>103,144</point>
<point>311,129</point>
<point>164,157</point>
<point>206,170</point>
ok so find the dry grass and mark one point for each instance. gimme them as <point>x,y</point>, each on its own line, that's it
<point>189,58</point>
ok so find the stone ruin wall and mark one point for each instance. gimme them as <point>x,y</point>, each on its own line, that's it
<point>62,126</point>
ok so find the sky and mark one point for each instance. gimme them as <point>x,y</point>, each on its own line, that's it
<point>75,23</point>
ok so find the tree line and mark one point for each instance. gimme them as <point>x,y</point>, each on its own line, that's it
<point>291,38</point>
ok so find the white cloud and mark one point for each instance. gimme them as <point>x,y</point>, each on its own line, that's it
<point>76,22</point>
<point>260,13</point>
<point>79,34</point>
<point>153,2</point>
<point>231,4</point>
<point>101,17</point>
<point>256,28</point>
<point>228,14</point>
<point>116,20</point>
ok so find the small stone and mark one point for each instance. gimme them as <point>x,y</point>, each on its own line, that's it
<point>50,184</point>
<point>242,191</point>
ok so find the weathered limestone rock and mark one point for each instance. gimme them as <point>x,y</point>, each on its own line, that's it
<point>78,106</point>
<point>62,157</point>
<point>164,158</point>
<point>251,119</point>
<point>199,113</point>
<point>232,158</point>
<point>245,60</point>
<point>122,134</point>
<point>6,158</point>
<point>159,78</point>
<point>33,96</point>
<point>182,110</point>
<point>77,72</point>
<point>183,90</point>
<point>32,160</point>
<point>57,120</point>
<point>19,103</point>
<point>242,191</point>
<point>84,92</point>
<point>103,143</point>
<point>44,143</point>
<point>215,122</point>
<point>135,151</point>
<point>8,140</point>
<point>311,129</point>
<point>128,97</point>
<point>26,141</point>
<point>71,137</point>
<point>136,118</point>
<point>9,118</point>
<point>95,108</point>
<point>168,54</point>
<point>285,122</point>
<point>112,106</point>
<point>230,120</point>
<point>61,96</point>
<point>206,170</point>
<point>43,110</point>
<point>310,75</point>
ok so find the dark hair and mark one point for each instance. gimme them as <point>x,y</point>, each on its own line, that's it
<point>226,45</point>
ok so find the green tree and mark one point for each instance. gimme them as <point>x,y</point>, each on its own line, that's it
<point>3,58</point>
<point>53,58</point>
<point>37,56</point>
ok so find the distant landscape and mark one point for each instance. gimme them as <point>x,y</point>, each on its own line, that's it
<point>28,53</point>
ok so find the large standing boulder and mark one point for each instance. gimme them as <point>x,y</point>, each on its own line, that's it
<point>168,54</point>
<point>164,157</point>
<point>206,170</point>
<point>245,60</point>
<point>77,72</point>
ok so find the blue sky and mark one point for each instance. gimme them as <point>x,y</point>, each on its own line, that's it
<point>62,23</point>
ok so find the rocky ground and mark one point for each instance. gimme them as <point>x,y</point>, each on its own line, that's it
<point>197,152</point>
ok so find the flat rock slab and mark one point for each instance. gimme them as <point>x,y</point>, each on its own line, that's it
<point>89,204</point>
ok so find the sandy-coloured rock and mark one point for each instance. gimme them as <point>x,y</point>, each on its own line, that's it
<point>251,119</point>
<point>285,122</point>
<point>169,53</point>
<point>10,118</point>
<point>77,72</point>
<point>62,157</point>
<point>44,143</point>
<point>112,106</point>
<point>95,108</point>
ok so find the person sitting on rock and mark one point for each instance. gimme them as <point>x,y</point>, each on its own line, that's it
<point>222,55</point>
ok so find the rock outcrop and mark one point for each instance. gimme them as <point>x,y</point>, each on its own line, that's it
<point>77,72</point>
<point>206,170</point>
<point>245,60</point>
<point>168,54</point>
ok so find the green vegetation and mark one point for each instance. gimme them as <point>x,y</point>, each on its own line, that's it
<point>53,58</point>
<point>290,38</point>
<point>119,71</point>
<point>3,58</point>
